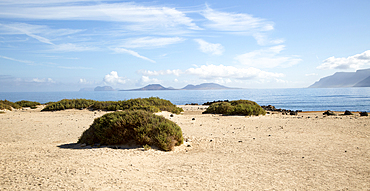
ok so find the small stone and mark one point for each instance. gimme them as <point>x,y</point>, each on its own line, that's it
<point>240,141</point>
<point>193,119</point>
<point>171,115</point>
<point>189,146</point>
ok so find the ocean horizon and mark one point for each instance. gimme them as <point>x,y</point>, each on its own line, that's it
<point>306,99</point>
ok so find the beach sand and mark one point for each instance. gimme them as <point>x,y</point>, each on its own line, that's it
<point>271,152</point>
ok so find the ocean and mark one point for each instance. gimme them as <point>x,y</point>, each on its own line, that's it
<point>306,99</point>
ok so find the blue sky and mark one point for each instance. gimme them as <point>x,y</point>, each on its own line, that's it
<point>65,45</point>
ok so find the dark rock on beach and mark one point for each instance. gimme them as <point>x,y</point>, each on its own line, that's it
<point>328,112</point>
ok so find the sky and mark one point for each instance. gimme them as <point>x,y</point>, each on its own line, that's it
<point>66,45</point>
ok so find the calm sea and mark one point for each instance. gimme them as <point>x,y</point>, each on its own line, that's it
<point>306,99</point>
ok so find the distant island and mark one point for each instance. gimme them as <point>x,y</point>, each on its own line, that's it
<point>104,88</point>
<point>360,78</point>
<point>98,88</point>
<point>204,86</point>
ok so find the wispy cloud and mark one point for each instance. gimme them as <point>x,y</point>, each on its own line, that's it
<point>210,48</point>
<point>241,23</point>
<point>37,32</point>
<point>235,22</point>
<point>13,59</point>
<point>268,58</point>
<point>136,17</point>
<point>133,53</point>
<point>150,42</point>
<point>69,47</point>
<point>352,62</point>
<point>221,71</point>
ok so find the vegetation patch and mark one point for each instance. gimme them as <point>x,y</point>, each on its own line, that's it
<point>69,104</point>
<point>5,104</point>
<point>25,103</point>
<point>152,104</point>
<point>133,126</point>
<point>237,107</point>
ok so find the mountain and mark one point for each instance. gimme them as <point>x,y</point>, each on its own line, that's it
<point>205,86</point>
<point>104,88</point>
<point>344,79</point>
<point>152,87</point>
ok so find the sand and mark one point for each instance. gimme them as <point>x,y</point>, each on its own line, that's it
<point>38,151</point>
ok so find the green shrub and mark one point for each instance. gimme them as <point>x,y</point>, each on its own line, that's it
<point>153,104</point>
<point>69,104</point>
<point>238,107</point>
<point>25,103</point>
<point>133,126</point>
<point>5,104</point>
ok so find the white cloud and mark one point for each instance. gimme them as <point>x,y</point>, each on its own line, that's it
<point>133,53</point>
<point>160,72</point>
<point>262,39</point>
<point>352,62</point>
<point>69,47</point>
<point>221,71</point>
<point>43,80</point>
<point>13,59</point>
<point>151,42</point>
<point>146,80</point>
<point>137,17</point>
<point>37,32</point>
<point>268,58</point>
<point>235,22</point>
<point>113,78</point>
<point>206,47</point>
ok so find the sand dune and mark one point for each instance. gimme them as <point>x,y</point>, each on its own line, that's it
<point>272,152</point>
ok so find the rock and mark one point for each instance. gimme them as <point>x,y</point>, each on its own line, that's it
<point>193,119</point>
<point>293,113</point>
<point>328,112</point>
<point>171,115</point>
<point>347,113</point>
<point>364,113</point>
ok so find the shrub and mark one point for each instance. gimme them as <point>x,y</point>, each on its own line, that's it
<point>25,103</point>
<point>5,104</point>
<point>69,104</point>
<point>137,126</point>
<point>152,104</point>
<point>238,107</point>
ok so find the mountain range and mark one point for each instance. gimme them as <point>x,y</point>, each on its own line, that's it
<point>360,78</point>
<point>204,86</point>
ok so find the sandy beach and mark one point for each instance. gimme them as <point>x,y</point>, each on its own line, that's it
<point>38,151</point>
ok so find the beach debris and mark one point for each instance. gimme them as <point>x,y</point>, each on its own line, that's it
<point>364,113</point>
<point>328,112</point>
<point>347,113</point>
<point>83,145</point>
